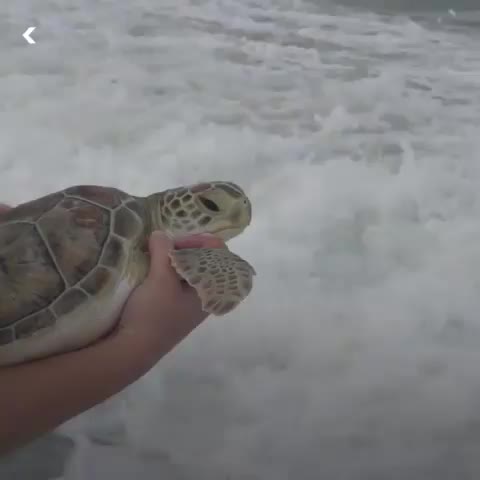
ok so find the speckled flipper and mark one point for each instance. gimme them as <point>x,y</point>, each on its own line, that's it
<point>221,278</point>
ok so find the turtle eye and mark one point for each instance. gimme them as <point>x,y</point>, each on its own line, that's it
<point>212,206</point>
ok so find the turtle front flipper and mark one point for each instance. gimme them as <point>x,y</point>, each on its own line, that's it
<point>221,278</point>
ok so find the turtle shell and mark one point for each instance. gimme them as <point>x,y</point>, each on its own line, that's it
<point>61,250</point>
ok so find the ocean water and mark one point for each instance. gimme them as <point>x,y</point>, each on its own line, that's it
<point>355,131</point>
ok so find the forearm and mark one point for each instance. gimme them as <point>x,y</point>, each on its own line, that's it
<point>39,396</point>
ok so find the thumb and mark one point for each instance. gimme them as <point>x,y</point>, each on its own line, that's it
<point>159,246</point>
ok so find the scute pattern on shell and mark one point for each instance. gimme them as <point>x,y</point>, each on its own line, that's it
<point>51,245</point>
<point>106,197</point>
<point>31,324</point>
<point>29,279</point>
<point>75,234</point>
<point>33,210</point>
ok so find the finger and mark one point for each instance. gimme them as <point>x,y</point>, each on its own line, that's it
<point>161,269</point>
<point>199,241</point>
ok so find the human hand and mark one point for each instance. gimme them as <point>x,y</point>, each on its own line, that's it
<point>163,310</point>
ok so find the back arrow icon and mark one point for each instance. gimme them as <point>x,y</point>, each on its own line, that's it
<point>26,35</point>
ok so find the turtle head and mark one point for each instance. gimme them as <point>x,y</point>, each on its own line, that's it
<point>220,208</point>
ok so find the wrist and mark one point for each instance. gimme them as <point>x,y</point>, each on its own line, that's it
<point>137,357</point>
<point>147,342</point>
<point>140,348</point>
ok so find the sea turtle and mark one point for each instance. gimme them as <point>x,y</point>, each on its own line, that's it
<point>70,259</point>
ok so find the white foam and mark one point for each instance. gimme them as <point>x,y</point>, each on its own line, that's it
<point>356,353</point>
